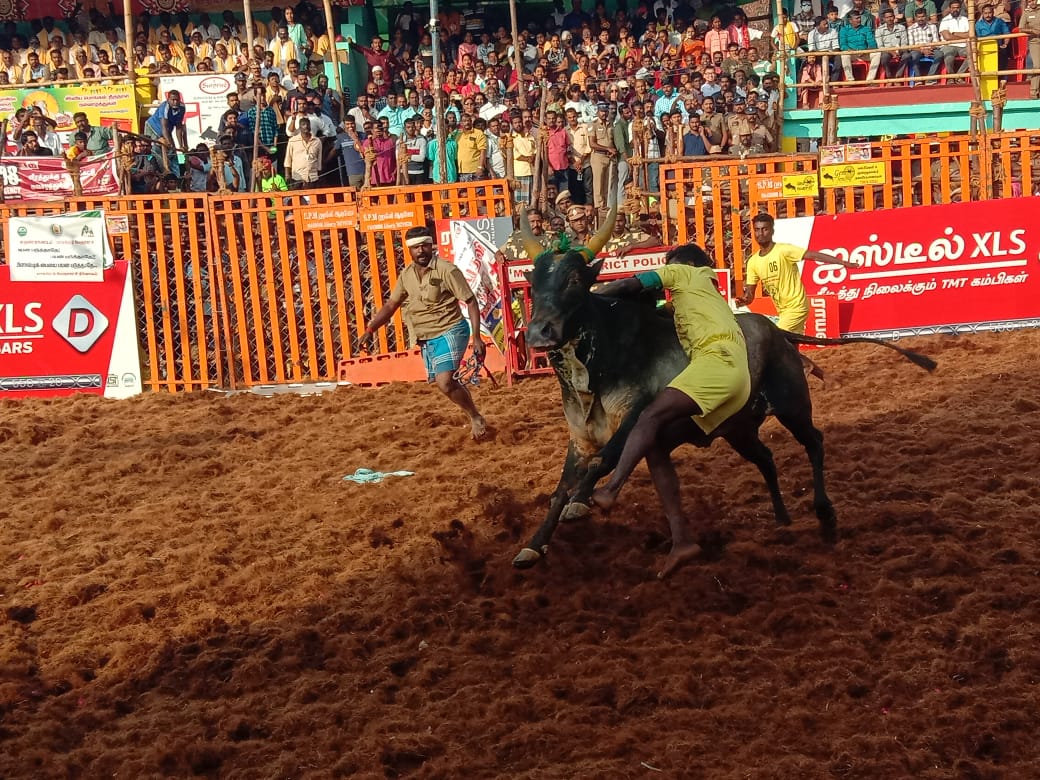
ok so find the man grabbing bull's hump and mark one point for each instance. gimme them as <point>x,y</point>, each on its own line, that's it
<point>714,386</point>
<point>430,291</point>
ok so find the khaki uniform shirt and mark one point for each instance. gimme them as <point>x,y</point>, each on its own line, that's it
<point>617,243</point>
<point>513,248</point>
<point>431,305</point>
<point>603,135</point>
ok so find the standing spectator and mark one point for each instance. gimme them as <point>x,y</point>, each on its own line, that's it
<point>523,158</point>
<point>604,158</point>
<point>557,149</point>
<point>991,25</point>
<point>1030,23</point>
<point>99,139</point>
<point>415,148</point>
<point>623,144</point>
<point>472,150</point>
<point>166,127</point>
<point>384,167</point>
<point>892,35</point>
<point>580,152</point>
<point>953,30</point>
<point>303,156</point>
<point>853,36</point>
<point>349,145</point>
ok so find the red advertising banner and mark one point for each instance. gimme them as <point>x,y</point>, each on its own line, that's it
<point>47,178</point>
<point>964,266</point>
<point>59,338</point>
<point>822,322</point>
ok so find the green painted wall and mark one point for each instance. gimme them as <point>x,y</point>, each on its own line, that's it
<point>904,120</point>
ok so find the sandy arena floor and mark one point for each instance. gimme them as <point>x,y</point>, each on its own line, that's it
<point>189,588</point>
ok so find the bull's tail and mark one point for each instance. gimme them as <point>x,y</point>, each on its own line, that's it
<point>916,358</point>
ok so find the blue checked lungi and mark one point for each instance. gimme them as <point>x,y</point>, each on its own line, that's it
<point>446,351</point>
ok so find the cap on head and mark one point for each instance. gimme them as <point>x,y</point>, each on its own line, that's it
<point>576,212</point>
<point>564,195</point>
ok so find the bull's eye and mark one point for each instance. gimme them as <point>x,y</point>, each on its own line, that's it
<point>573,280</point>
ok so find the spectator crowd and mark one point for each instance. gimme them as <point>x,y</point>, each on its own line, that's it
<point>591,98</point>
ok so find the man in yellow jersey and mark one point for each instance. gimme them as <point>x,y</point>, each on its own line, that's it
<point>776,266</point>
<point>711,389</point>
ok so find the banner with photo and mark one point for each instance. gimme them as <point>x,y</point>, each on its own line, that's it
<point>205,101</point>
<point>47,178</point>
<point>104,105</point>
<point>471,244</point>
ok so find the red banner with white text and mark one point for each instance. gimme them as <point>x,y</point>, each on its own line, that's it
<point>47,178</point>
<point>60,338</point>
<point>964,266</point>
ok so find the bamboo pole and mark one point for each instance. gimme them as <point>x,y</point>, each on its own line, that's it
<point>540,182</point>
<point>247,11</point>
<point>330,33</point>
<point>778,120</point>
<point>128,25</point>
<point>438,96</point>
<point>254,179</point>
<point>518,58</point>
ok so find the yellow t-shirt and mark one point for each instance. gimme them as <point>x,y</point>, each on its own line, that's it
<point>702,316</point>
<point>778,271</point>
<point>470,145</point>
<point>523,146</point>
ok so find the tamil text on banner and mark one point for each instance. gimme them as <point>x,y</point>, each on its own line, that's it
<point>104,105</point>
<point>472,246</point>
<point>47,178</point>
<point>964,266</point>
<point>58,248</point>
<point>59,338</point>
<point>205,101</point>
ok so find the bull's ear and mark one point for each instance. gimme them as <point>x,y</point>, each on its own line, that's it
<point>529,276</point>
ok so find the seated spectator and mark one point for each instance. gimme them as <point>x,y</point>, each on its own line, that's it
<point>892,35</point>
<point>823,39</point>
<point>920,32</point>
<point>953,30</point>
<point>853,36</point>
<point>991,25</point>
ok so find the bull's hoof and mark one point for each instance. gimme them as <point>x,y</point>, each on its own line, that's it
<point>575,511</point>
<point>526,558</point>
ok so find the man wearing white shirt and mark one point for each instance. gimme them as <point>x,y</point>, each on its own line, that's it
<point>954,33</point>
<point>823,39</point>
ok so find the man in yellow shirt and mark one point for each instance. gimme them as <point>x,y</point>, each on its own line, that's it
<point>472,150</point>
<point>712,388</point>
<point>776,266</point>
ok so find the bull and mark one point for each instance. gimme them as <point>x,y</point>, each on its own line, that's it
<point>612,356</point>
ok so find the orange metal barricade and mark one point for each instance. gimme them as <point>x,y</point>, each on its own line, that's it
<point>233,291</point>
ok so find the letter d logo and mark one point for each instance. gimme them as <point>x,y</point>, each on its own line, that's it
<point>80,323</point>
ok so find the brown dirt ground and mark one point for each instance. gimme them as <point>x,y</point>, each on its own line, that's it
<point>190,588</point>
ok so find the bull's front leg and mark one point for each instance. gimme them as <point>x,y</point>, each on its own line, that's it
<point>600,464</point>
<point>539,544</point>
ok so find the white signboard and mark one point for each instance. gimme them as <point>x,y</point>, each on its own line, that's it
<point>61,248</point>
<point>205,101</point>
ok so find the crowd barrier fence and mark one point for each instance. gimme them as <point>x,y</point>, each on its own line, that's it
<point>235,291</point>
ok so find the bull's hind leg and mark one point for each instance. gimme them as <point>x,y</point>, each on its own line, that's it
<point>745,440</point>
<point>539,544</point>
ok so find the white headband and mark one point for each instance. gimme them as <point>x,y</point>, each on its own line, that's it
<point>418,240</point>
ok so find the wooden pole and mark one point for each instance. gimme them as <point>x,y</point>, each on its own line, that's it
<point>518,58</point>
<point>778,120</point>
<point>247,11</point>
<point>330,31</point>
<point>540,181</point>
<point>128,26</point>
<point>977,114</point>
<point>259,91</point>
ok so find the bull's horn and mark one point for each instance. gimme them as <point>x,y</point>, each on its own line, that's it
<point>532,246</point>
<point>599,240</point>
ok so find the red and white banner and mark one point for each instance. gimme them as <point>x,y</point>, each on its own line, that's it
<point>614,267</point>
<point>961,267</point>
<point>47,178</point>
<point>59,338</point>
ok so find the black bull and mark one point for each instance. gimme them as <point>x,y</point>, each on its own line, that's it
<point>613,356</point>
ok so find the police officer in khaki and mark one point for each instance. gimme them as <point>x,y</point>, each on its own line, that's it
<point>604,157</point>
<point>1030,23</point>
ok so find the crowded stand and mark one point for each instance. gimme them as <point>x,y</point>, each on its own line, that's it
<point>584,99</point>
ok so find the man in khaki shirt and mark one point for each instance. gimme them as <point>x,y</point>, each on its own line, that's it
<point>303,156</point>
<point>604,157</point>
<point>430,290</point>
<point>1030,23</point>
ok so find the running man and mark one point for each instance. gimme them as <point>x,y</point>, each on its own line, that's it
<point>430,291</point>
<point>711,389</point>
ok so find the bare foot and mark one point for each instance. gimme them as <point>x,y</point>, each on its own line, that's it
<point>603,498</point>
<point>479,427</point>
<point>680,554</point>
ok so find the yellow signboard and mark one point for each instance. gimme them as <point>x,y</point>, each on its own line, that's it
<point>801,185</point>
<point>853,174</point>
<point>104,105</point>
